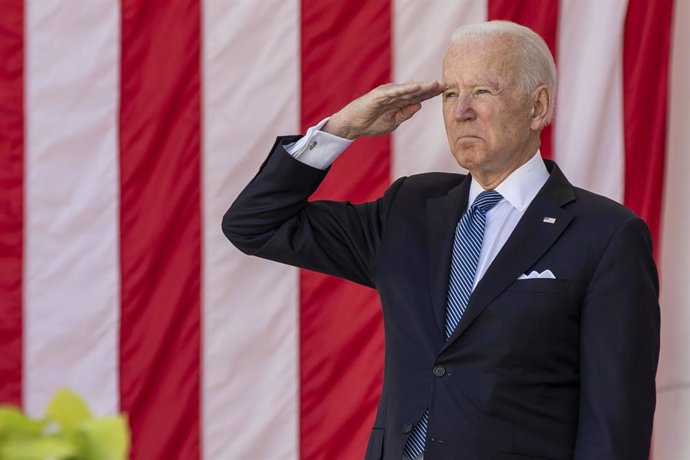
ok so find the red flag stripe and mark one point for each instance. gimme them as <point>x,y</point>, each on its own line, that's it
<point>542,17</point>
<point>346,51</point>
<point>160,226</point>
<point>645,87</point>
<point>646,55</point>
<point>11,198</point>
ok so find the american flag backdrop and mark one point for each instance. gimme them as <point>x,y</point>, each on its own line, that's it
<point>127,127</point>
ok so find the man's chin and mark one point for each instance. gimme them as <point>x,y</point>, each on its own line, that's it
<point>468,159</point>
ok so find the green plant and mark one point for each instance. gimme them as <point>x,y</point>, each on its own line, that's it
<point>69,431</point>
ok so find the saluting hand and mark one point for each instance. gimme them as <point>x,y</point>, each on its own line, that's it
<point>382,109</point>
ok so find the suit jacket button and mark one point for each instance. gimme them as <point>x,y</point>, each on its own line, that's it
<point>407,428</point>
<point>439,371</point>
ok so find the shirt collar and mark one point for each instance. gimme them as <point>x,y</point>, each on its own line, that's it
<point>521,186</point>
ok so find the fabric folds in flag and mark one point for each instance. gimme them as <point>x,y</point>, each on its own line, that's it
<point>127,127</point>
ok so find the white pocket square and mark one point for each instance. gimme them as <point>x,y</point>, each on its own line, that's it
<point>546,274</point>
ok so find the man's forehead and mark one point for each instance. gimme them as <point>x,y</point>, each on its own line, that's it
<point>492,70</point>
<point>483,61</point>
<point>505,42</point>
<point>489,48</point>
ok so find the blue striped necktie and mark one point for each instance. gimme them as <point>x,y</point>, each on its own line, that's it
<point>467,245</point>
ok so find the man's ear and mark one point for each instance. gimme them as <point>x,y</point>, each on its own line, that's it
<point>541,99</point>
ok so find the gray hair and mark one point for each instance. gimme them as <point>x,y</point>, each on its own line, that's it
<point>538,66</point>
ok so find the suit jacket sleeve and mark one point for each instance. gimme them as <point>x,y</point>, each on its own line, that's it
<point>619,350</point>
<point>273,219</point>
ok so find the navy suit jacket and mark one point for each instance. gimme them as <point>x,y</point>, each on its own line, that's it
<point>555,369</point>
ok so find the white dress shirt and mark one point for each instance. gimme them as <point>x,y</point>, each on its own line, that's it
<point>319,150</point>
<point>518,190</point>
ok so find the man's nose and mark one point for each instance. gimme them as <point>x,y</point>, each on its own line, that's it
<point>463,110</point>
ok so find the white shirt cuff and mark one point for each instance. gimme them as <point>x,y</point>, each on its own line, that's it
<point>317,148</point>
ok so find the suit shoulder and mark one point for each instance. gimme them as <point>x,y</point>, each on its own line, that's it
<point>427,185</point>
<point>602,210</point>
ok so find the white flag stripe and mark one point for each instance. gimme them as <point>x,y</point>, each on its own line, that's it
<point>673,379</point>
<point>588,132</point>
<point>675,251</point>
<point>71,193</point>
<point>422,33</point>
<point>671,422</point>
<point>250,371</point>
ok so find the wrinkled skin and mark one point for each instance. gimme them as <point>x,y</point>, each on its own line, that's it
<point>492,124</point>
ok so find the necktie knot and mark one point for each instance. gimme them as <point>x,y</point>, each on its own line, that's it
<point>487,200</point>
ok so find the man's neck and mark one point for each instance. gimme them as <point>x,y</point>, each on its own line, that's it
<point>492,179</point>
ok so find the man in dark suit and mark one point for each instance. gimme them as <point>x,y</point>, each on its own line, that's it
<point>520,312</point>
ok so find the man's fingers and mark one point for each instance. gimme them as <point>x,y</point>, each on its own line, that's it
<point>402,102</point>
<point>427,95</point>
<point>411,93</point>
<point>412,89</point>
<point>407,112</point>
<point>383,109</point>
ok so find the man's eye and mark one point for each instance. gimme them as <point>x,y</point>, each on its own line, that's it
<point>482,92</point>
<point>449,95</point>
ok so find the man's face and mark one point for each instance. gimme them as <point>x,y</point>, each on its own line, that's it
<point>485,110</point>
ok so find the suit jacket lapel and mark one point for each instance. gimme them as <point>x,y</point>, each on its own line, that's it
<point>443,215</point>
<point>531,238</point>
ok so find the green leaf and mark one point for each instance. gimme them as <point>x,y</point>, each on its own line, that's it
<point>68,409</point>
<point>107,438</point>
<point>13,422</point>
<point>37,449</point>
<point>68,432</point>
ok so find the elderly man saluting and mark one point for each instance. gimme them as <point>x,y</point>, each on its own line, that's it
<point>520,312</point>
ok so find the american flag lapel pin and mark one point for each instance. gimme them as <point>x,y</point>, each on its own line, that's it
<point>549,220</point>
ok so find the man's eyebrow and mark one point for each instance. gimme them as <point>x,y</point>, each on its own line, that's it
<point>492,83</point>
